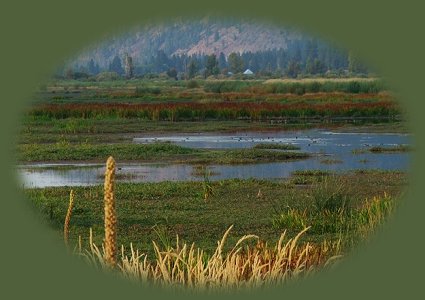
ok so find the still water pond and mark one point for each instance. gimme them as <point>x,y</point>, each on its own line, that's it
<point>332,151</point>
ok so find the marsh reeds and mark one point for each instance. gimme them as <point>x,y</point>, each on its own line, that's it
<point>68,218</point>
<point>242,266</point>
<point>356,223</point>
<point>110,241</point>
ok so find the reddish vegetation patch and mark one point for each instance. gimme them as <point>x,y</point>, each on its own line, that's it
<point>219,110</point>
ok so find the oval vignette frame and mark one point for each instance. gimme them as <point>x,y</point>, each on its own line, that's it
<point>319,284</point>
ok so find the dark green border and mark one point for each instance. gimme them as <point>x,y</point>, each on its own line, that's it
<point>37,35</point>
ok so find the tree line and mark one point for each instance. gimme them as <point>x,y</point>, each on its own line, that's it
<point>301,57</point>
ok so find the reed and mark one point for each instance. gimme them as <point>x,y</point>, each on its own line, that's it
<point>68,218</point>
<point>244,266</point>
<point>110,242</point>
<point>356,223</point>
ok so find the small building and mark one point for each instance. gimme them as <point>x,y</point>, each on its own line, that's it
<point>248,72</point>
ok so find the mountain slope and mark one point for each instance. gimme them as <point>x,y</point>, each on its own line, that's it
<point>189,37</point>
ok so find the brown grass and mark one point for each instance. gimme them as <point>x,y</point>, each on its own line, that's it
<point>243,266</point>
<point>68,218</point>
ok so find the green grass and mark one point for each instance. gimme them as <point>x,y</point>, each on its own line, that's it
<point>171,91</point>
<point>298,87</point>
<point>327,86</point>
<point>99,152</point>
<point>307,177</point>
<point>310,173</point>
<point>349,223</point>
<point>45,129</point>
<point>384,149</point>
<point>148,152</point>
<point>121,129</point>
<point>276,146</point>
<point>398,148</point>
<point>335,211</point>
<point>179,208</point>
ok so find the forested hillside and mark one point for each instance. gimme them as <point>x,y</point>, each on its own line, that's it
<point>212,46</point>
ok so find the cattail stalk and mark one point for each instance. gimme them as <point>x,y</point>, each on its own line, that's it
<point>68,218</point>
<point>110,214</point>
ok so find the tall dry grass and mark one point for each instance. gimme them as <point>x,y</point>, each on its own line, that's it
<point>243,266</point>
<point>68,218</point>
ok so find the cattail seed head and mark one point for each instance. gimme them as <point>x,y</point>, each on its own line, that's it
<point>68,217</point>
<point>110,214</point>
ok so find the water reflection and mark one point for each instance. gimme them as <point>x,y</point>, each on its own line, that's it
<point>336,148</point>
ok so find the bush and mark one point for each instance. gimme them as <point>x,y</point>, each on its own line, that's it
<point>192,84</point>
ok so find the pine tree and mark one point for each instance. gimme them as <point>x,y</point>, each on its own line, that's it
<point>172,73</point>
<point>309,66</point>
<point>91,67</point>
<point>222,63</point>
<point>192,69</point>
<point>293,69</point>
<point>115,66</point>
<point>236,63</point>
<point>211,66</point>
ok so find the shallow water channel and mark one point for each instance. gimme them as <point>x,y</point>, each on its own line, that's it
<point>331,151</point>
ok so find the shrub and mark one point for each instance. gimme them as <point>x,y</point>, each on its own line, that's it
<point>192,84</point>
